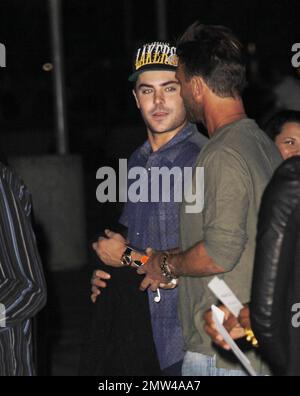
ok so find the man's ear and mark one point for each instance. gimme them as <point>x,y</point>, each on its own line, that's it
<point>136,99</point>
<point>197,86</point>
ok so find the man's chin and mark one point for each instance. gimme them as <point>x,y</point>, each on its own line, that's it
<point>160,129</point>
<point>160,132</point>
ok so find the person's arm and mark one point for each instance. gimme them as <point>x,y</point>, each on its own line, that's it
<point>274,283</point>
<point>110,251</point>
<point>22,283</point>
<point>226,201</point>
<point>98,281</point>
<point>111,248</point>
<point>236,327</point>
<point>180,264</point>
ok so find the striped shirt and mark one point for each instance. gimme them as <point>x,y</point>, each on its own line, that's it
<point>22,283</point>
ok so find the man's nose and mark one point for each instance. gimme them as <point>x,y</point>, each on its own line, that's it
<point>158,97</point>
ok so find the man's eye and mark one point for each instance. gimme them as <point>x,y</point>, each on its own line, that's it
<point>290,142</point>
<point>170,89</point>
<point>146,91</point>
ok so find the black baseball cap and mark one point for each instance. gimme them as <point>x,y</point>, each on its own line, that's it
<point>154,56</point>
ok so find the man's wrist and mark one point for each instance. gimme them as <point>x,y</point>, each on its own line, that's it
<point>126,257</point>
<point>133,258</point>
<point>174,264</point>
<point>168,268</point>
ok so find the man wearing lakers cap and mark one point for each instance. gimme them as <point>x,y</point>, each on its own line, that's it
<point>154,56</point>
<point>172,142</point>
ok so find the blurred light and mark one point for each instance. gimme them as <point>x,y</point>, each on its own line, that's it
<point>47,67</point>
<point>251,47</point>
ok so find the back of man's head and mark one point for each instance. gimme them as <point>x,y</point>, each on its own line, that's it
<point>215,54</point>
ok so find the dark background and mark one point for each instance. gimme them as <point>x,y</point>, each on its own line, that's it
<point>99,36</point>
<point>103,123</point>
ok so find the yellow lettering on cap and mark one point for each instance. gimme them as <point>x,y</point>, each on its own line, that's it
<point>141,61</point>
<point>156,56</point>
<point>148,58</point>
<point>156,53</point>
<point>163,59</point>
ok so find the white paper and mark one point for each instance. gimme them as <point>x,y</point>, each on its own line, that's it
<point>218,317</point>
<point>222,291</point>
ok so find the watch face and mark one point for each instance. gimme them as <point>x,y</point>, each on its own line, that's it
<point>137,263</point>
<point>126,260</point>
<point>128,252</point>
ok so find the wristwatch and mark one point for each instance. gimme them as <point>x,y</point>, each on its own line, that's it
<point>126,257</point>
<point>127,260</point>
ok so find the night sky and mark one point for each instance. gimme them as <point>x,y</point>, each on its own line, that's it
<point>103,122</point>
<point>99,36</point>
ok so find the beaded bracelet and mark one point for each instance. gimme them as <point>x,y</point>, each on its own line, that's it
<point>165,269</point>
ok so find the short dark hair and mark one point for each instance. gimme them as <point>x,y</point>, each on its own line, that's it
<point>274,126</point>
<point>215,54</point>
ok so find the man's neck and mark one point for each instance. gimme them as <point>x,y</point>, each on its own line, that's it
<point>223,111</point>
<point>157,140</point>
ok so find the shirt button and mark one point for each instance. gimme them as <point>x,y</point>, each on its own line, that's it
<point>137,233</point>
<point>149,169</point>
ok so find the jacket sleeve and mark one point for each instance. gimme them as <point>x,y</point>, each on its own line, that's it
<point>274,262</point>
<point>22,283</point>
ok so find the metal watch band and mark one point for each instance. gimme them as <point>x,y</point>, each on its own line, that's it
<point>138,263</point>
<point>126,257</point>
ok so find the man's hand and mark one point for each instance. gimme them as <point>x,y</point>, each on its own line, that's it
<point>97,282</point>
<point>153,277</point>
<point>244,317</point>
<point>168,286</point>
<point>110,249</point>
<point>231,324</point>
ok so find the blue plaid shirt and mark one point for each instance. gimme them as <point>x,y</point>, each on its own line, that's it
<point>156,225</point>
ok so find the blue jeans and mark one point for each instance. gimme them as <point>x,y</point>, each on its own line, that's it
<point>197,364</point>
